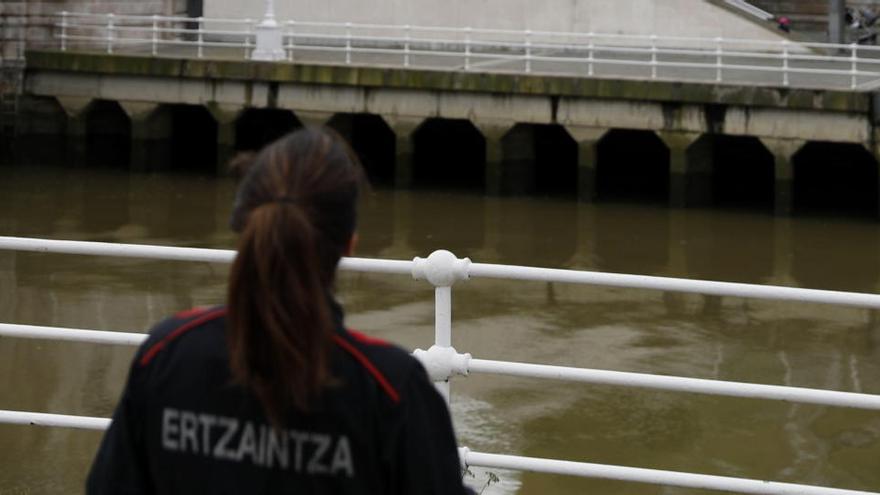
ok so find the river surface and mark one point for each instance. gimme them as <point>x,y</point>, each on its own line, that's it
<point>805,345</point>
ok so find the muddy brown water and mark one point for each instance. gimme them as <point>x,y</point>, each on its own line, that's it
<point>806,345</point>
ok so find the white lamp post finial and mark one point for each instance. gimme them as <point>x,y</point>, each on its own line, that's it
<point>269,37</point>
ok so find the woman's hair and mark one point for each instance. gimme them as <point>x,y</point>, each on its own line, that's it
<point>295,213</point>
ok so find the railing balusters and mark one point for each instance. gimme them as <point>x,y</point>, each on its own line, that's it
<point>155,49</point>
<point>711,55</point>
<point>348,43</point>
<point>64,31</point>
<point>785,62</point>
<point>528,52</point>
<point>590,41</point>
<point>201,38</point>
<point>110,29</point>
<point>854,69</point>
<point>247,37</point>
<point>406,42</point>
<point>290,40</point>
<point>467,48</point>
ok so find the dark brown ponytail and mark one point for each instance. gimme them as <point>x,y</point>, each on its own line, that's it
<point>295,211</point>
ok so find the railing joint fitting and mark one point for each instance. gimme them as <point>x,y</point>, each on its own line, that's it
<point>442,363</point>
<point>441,268</point>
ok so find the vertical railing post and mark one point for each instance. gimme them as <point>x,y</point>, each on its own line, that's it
<point>467,48</point>
<point>528,51</point>
<point>155,36</point>
<point>443,326</point>
<point>348,43</point>
<point>291,42</point>
<point>718,59</point>
<point>406,42</point>
<point>854,67</point>
<point>653,56</point>
<point>201,38</point>
<point>442,269</point>
<point>64,31</point>
<point>590,46</point>
<point>110,34</point>
<point>250,33</point>
<point>785,62</point>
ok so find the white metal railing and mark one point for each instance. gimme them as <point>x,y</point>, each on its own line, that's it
<point>442,269</point>
<point>724,60</point>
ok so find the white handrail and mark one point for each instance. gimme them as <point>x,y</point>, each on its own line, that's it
<point>521,463</point>
<point>476,270</point>
<point>442,269</point>
<point>715,60</point>
<point>528,370</point>
<point>641,475</point>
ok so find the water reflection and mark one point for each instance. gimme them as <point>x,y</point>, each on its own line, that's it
<point>836,255</point>
<point>632,239</point>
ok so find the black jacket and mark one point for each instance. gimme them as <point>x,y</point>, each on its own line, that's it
<point>181,427</point>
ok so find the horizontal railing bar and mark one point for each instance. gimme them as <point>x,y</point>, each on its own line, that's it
<point>174,253</point>
<point>476,270</point>
<point>59,420</point>
<point>485,270</point>
<point>654,39</point>
<point>678,384</point>
<point>652,476</point>
<point>167,253</point>
<point>526,370</point>
<point>71,334</point>
<point>519,463</point>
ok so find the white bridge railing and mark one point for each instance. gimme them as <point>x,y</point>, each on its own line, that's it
<point>442,269</point>
<point>717,60</point>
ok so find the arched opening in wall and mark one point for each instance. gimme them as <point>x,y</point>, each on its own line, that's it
<point>556,157</point>
<point>41,128</point>
<point>108,135</point>
<point>372,140</point>
<point>632,165</point>
<point>539,159</point>
<point>257,127</point>
<point>449,154</point>
<point>193,139</point>
<point>743,174</point>
<point>835,178</point>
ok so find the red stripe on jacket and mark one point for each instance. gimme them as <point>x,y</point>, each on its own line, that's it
<point>158,346</point>
<point>370,367</point>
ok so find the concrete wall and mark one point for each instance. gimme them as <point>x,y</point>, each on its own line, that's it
<point>665,17</point>
<point>33,20</point>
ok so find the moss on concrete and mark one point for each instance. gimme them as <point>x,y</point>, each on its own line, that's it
<point>656,91</point>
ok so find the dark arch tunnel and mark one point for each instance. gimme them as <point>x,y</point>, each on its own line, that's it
<point>257,127</point>
<point>539,160</point>
<point>193,141</point>
<point>449,154</point>
<point>108,135</point>
<point>743,172</point>
<point>835,178</point>
<point>632,165</point>
<point>372,140</point>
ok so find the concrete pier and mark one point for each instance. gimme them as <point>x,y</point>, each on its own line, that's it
<point>506,135</point>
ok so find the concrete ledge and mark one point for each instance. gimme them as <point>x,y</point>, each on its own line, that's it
<point>651,91</point>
